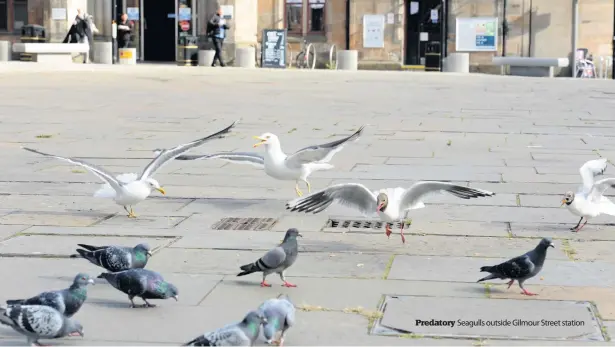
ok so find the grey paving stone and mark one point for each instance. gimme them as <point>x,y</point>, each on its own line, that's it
<point>562,231</point>
<point>593,251</point>
<point>459,228</point>
<point>150,221</point>
<point>98,230</point>
<point>7,231</point>
<point>69,219</point>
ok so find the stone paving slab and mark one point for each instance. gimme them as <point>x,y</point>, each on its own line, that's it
<point>68,219</point>
<point>122,231</point>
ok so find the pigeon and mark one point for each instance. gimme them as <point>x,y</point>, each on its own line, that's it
<point>391,204</point>
<point>296,167</point>
<point>590,201</point>
<point>243,333</point>
<point>39,322</point>
<point>66,301</point>
<point>115,258</point>
<point>276,260</point>
<point>280,316</point>
<point>143,283</point>
<point>520,268</point>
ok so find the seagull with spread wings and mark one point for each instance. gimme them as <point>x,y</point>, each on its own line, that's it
<point>589,201</point>
<point>129,189</point>
<point>391,204</point>
<point>295,167</point>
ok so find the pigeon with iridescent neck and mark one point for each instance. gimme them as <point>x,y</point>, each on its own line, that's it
<point>280,315</point>
<point>67,301</point>
<point>243,333</point>
<point>115,258</point>
<point>39,322</point>
<point>141,283</point>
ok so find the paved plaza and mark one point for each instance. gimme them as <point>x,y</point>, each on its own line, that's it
<point>523,138</point>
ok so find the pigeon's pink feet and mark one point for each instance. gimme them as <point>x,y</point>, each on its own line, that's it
<point>388,231</point>
<point>510,283</point>
<point>289,285</point>
<point>525,292</point>
<point>265,284</point>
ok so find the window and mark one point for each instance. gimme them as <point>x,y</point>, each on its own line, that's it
<point>316,13</point>
<point>294,16</point>
<point>3,16</point>
<point>20,16</point>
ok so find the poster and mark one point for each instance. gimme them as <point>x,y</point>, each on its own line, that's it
<point>373,31</point>
<point>227,11</point>
<point>58,13</point>
<point>185,14</point>
<point>133,13</point>
<point>390,18</point>
<point>273,46</point>
<point>478,34</point>
<point>414,7</point>
<point>434,16</point>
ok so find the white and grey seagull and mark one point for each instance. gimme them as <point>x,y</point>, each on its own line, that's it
<point>391,204</point>
<point>295,167</point>
<point>589,201</point>
<point>129,189</point>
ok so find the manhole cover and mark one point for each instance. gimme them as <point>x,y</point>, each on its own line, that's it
<point>489,318</point>
<point>233,223</point>
<point>362,224</point>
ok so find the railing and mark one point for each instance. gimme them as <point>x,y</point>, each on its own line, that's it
<point>604,64</point>
<point>332,57</point>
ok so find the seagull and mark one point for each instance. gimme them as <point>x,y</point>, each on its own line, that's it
<point>391,204</point>
<point>129,189</point>
<point>296,167</point>
<point>589,201</point>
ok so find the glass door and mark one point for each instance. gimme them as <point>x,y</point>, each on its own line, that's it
<point>132,8</point>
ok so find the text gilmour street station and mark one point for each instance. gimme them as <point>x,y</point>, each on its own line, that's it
<point>500,323</point>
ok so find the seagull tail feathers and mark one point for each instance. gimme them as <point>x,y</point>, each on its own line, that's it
<point>320,166</point>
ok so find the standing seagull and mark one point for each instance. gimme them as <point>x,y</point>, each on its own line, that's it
<point>391,204</point>
<point>295,167</point>
<point>590,201</point>
<point>129,189</point>
<point>520,268</point>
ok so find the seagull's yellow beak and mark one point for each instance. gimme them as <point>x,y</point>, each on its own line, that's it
<point>262,141</point>
<point>161,190</point>
<point>563,202</point>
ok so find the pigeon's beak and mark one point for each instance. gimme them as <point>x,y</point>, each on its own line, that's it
<point>380,206</point>
<point>91,281</point>
<point>161,190</point>
<point>552,245</point>
<point>563,202</point>
<point>262,141</point>
<point>299,235</point>
<point>149,253</point>
<point>176,297</point>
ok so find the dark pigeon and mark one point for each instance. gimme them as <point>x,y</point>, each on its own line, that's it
<point>39,322</point>
<point>115,258</point>
<point>520,268</point>
<point>141,283</point>
<point>66,301</point>
<point>276,260</point>
<point>243,333</point>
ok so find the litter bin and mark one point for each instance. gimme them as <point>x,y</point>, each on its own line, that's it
<point>188,54</point>
<point>433,58</point>
<point>31,33</point>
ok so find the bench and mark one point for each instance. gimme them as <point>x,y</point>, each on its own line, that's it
<point>56,53</point>
<point>528,66</point>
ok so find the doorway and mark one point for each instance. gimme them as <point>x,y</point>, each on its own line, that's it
<point>425,24</point>
<point>159,30</point>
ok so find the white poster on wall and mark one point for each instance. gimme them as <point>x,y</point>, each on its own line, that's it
<point>58,13</point>
<point>227,11</point>
<point>373,31</point>
<point>475,34</point>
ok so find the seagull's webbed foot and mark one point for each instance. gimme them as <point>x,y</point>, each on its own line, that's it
<point>298,191</point>
<point>309,187</point>
<point>576,227</point>
<point>401,232</point>
<point>132,214</point>
<point>388,230</point>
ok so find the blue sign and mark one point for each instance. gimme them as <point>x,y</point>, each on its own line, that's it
<point>185,14</point>
<point>133,13</point>
<point>485,41</point>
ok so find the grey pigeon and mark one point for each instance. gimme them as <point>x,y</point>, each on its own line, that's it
<point>276,260</point>
<point>243,333</point>
<point>143,283</point>
<point>520,268</point>
<point>39,322</point>
<point>66,301</point>
<point>115,258</point>
<point>280,316</point>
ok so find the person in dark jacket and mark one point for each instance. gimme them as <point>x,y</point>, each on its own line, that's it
<point>124,31</point>
<point>81,31</point>
<point>216,29</point>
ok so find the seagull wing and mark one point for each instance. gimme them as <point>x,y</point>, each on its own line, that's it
<point>320,153</point>
<point>421,189</point>
<point>348,194</point>
<point>168,154</point>
<point>599,188</point>
<point>232,157</point>
<point>590,170</point>
<point>96,170</point>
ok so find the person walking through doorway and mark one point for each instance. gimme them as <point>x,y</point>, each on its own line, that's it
<point>81,32</point>
<point>216,29</point>
<point>124,31</point>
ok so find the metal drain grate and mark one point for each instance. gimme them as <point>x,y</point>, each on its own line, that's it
<point>362,224</point>
<point>233,223</point>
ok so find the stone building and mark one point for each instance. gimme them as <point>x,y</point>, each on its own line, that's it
<point>402,30</point>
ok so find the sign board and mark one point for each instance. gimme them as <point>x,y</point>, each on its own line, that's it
<point>227,11</point>
<point>185,14</point>
<point>478,34</point>
<point>434,16</point>
<point>132,13</point>
<point>273,48</point>
<point>125,54</point>
<point>185,25</point>
<point>373,31</point>
<point>58,13</point>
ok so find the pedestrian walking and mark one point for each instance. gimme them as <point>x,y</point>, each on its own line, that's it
<point>216,30</point>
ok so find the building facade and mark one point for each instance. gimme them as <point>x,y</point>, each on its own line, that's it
<point>405,30</point>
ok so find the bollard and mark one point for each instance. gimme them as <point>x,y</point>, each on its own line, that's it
<point>347,60</point>
<point>128,56</point>
<point>206,57</point>
<point>457,62</point>
<point>5,51</point>
<point>103,53</point>
<point>244,57</point>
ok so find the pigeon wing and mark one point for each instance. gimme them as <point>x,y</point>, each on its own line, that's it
<point>42,321</point>
<point>52,299</point>
<point>230,335</point>
<point>518,267</point>
<point>131,282</point>
<point>272,259</point>
<point>115,258</point>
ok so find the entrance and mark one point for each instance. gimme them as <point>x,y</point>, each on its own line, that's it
<point>425,23</point>
<point>159,30</point>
